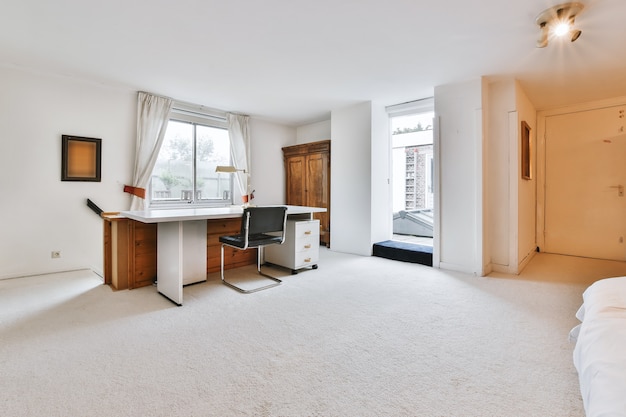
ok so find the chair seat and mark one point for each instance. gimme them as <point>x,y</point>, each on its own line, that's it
<point>259,227</point>
<point>255,240</point>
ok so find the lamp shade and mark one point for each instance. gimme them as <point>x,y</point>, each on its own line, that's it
<point>227,168</point>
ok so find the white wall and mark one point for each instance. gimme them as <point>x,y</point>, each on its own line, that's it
<point>267,166</point>
<point>371,127</point>
<point>39,212</point>
<point>459,147</point>
<point>510,211</point>
<point>381,192</point>
<point>350,190</point>
<point>527,189</point>
<point>313,132</point>
<point>498,176</point>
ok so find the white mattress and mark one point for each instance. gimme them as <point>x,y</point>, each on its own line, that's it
<point>600,351</point>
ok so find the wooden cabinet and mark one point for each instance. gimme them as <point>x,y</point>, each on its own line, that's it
<point>130,250</point>
<point>130,259</point>
<point>301,247</point>
<point>307,171</point>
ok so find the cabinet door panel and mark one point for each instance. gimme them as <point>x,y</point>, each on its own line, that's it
<point>317,190</point>
<point>317,186</point>
<point>296,194</point>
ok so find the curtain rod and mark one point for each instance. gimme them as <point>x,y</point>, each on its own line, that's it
<point>217,117</point>
<point>194,109</point>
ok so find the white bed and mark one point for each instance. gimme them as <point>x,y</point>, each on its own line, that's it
<point>600,351</point>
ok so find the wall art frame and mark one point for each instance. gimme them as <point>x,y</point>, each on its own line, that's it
<point>81,158</point>
<point>526,152</point>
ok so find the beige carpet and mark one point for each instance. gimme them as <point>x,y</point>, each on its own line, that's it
<point>360,336</point>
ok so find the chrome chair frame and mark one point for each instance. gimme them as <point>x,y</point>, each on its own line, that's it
<point>257,236</point>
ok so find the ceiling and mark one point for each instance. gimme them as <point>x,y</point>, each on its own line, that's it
<point>294,61</point>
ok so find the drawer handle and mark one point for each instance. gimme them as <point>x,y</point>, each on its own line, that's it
<point>307,246</point>
<point>307,260</point>
<point>308,232</point>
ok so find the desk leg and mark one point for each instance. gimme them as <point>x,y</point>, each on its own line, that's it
<point>169,261</point>
<point>194,251</point>
<point>181,256</point>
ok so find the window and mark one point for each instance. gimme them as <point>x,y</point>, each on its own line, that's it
<point>184,172</point>
<point>412,150</point>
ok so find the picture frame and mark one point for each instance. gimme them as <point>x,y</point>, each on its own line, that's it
<point>80,158</point>
<point>526,152</point>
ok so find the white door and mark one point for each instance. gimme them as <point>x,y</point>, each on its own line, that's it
<point>585,206</point>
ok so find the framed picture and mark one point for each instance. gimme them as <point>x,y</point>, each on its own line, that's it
<point>526,152</point>
<point>80,158</point>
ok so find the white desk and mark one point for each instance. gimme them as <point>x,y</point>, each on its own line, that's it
<point>182,241</point>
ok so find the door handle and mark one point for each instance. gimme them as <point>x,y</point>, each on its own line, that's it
<point>620,189</point>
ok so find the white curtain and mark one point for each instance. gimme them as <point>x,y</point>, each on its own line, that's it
<point>240,150</point>
<point>153,113</point>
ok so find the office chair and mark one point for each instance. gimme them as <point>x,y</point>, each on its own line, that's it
<point>260,226</point>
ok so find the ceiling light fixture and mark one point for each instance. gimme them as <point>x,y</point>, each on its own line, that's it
<point>558,21</point>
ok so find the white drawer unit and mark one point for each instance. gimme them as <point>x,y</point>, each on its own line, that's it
<point>301,248</point>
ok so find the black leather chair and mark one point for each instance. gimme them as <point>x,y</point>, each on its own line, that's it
<point>260,226</point>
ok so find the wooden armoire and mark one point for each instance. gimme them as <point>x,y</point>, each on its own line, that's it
<point>307,172</point>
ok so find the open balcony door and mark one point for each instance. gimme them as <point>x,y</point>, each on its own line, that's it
<point>585,205</point>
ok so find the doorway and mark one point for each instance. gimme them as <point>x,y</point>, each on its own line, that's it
<point>412,176</point>
<point>412,183</point>
<point>585,176</point>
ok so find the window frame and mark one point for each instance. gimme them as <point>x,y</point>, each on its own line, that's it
<point>196,116</point>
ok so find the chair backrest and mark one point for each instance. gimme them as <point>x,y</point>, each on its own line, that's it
<point>264,219</point>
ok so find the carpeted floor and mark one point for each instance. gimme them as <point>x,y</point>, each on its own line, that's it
<point>360,336</point>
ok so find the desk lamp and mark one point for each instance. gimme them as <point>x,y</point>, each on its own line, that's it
<point>231,170</point>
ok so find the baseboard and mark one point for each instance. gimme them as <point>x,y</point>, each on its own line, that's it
<point>48,272</point>
<point>457,268</point>
<point>526,260</point>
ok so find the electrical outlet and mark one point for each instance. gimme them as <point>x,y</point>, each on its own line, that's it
<point>55,254</point>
